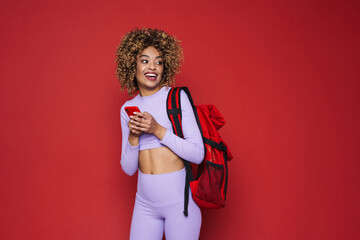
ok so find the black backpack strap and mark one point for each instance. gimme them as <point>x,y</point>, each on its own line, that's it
<point>189,177</point>
<point>173,106</point>
<point>186,90</point>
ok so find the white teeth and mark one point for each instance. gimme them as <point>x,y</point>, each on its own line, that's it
<point>150,75</point>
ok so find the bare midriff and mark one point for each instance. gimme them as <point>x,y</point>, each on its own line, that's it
<point>159,160</point>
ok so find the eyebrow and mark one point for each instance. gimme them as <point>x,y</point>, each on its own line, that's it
<point>148,56</point>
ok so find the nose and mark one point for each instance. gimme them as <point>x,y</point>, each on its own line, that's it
<point>152,65</point>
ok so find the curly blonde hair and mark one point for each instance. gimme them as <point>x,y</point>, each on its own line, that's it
<point>133,43</point>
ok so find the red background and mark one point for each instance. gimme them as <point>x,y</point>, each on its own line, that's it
<point>285,75</point>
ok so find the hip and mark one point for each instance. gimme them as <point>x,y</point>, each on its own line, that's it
<point>161,189</point>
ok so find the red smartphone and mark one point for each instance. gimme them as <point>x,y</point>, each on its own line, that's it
<point>131,109</point>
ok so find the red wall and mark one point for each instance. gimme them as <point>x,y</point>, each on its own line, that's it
<point>285,75</point>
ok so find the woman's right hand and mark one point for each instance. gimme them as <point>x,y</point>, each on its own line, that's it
<point>133,135</point>
<point>133,131</point>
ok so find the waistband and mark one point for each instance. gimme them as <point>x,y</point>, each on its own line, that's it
<point>161,189</point>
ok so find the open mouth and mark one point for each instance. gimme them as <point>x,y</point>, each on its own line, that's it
<point>151,76</point>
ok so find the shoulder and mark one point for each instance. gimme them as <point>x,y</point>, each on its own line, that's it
<point>184,98</point>
<point>130,102</point>
<point>183,94</point>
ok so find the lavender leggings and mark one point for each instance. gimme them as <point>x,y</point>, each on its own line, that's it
<point>159,207</point>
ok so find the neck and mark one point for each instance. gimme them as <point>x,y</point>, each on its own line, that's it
<point>147,92</point>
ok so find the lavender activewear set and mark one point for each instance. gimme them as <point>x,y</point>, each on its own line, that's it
<point>159,199</point>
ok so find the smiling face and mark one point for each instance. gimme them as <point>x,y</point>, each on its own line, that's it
<point>149,69</point>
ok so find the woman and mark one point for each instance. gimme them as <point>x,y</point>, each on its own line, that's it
<point>147,62</point>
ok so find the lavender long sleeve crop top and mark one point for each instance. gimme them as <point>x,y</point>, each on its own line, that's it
<point>191,148</point>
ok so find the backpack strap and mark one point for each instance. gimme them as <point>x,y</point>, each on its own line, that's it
<point>186,90</point>
<point>174,110</point>
<point>173,106</point>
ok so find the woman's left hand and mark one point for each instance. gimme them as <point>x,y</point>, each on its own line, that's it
<point>145,122</point>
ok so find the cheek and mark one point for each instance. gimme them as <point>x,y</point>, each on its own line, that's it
<point>139,69</point>
<point>138,74</point>
<point>161,69</point>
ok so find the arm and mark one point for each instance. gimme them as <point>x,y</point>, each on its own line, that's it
<point>129,154</point>
<point>191,148</point>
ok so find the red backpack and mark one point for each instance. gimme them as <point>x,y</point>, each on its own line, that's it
<point>210,185</point>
